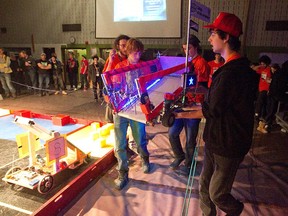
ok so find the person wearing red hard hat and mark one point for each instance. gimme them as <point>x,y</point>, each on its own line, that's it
<point>229,112</point>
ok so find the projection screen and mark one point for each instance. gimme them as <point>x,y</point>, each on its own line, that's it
<point>138,18</point>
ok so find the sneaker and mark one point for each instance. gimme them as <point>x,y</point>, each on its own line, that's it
<point>64,93</point>
<point>121,181</point>
<point>56,93</point>
<point>14,95</point>
<point>239,211</point>
<point>261,127</point>
<point>145,165</point>
<point>75,89</point>
<point>175,164</point>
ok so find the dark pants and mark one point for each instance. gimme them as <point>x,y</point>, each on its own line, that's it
<point>84,81</point>
<point>261,102</point>
<point>58,82</point>
<point>100,84</point>
<point>72,76</point>
<point>271,110</point>
<point>216,182</point>
<point>191,130</point>
<point>19,78</point>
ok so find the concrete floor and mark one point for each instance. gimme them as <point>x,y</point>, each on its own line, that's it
<point>77,104</point>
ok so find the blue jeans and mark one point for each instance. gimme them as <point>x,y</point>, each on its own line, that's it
<point>44,77</point>
<point>216,182</point>
<point>5,79</point>
<point>139,135</point>
<point>191,130</point>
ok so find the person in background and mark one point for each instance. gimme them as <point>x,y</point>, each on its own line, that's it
<point>84,73</point>
<point>44,67</point>
<point>17,74</point>
<point>5,77</point>
<point>116,55</point>
<point>276,92</point>
<point>214,65</point>
<point>57,75</point>
<point>134,49</point>
<point>191,126</point>
<point>94,74</point>
<point>72,70</point>
<point>29,68</point>
<point>202,68</point>
<point>264,70</point>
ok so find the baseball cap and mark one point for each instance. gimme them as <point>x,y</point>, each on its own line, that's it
<point>228,23</point>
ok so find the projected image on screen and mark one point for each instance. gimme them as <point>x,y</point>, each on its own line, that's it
<point>139,10</point>
<point>162,18</point>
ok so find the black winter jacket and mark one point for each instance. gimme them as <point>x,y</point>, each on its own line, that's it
<point>229,109</point>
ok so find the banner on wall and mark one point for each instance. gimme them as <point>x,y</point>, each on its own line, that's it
<point>200,11</point>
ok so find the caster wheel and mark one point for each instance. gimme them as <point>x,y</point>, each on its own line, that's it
<point>45,184</point>
<point>168,119</point>
<point>16,187</point>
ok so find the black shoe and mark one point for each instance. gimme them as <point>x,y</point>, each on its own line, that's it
<point>239,211</point>
<point>121,181</point>
<point>175,164</point>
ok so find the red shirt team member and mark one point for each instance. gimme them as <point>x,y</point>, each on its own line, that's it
<point>190,126</point>
<point>116,55</point>
<point>134,50</point>
<point>201,67</point>
<point>84,73</point>
<point>264,70</point>
<point>214,65</point>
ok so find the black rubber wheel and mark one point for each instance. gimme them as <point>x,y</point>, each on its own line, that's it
<point>45,184</point>
<point>168,119</point>
<point>144,98</point>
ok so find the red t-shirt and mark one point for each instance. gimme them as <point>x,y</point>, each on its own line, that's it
<point>265,76</point>
<point>84,66</point>
<point>117,59</point>
<point>201,68</point>
<point>213,67</point>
